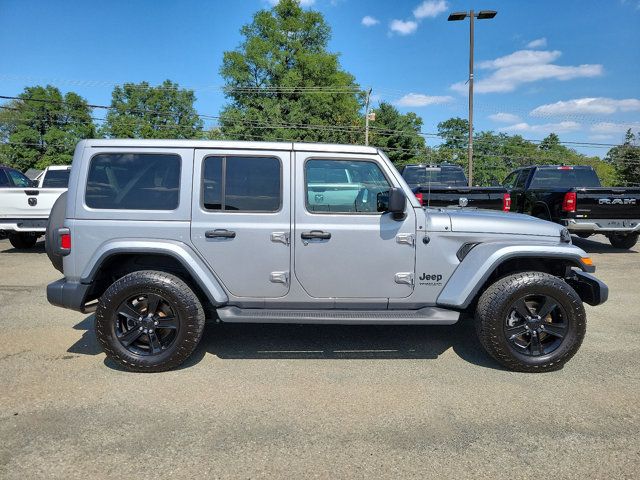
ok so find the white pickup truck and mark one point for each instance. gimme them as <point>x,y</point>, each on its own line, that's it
<point>25,204</point>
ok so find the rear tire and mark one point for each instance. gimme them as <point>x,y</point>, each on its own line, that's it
<point>22,241</point>
<point>623,241</point>
<point>534,340</point>
<point>149,321</point>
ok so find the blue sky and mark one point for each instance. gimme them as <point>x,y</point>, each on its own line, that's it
<point>570,66</point>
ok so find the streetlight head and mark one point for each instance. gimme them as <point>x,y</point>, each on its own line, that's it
<point>457,16</point>
<point>482,14</point>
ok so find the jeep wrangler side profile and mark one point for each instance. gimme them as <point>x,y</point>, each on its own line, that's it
<point>158,235</point>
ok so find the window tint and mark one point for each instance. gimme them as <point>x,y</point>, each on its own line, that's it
<point>448,176</point>
<point>4,180</point>
<point>510,181</point>
<point>522,178</point>
<point>242,184</point>
<point>133,181</point>
<point>56,179</point>
<point>559,177</point>
<point>343,186</point>
<point>19,180</point>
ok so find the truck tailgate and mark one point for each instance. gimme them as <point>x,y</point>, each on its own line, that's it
<point>608,202</point>
<point>23,203</point>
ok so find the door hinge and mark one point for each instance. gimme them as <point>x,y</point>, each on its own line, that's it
<point>408,238</point>
<point>281,237</point>
<point>405,278</point>
<point>279,277</point>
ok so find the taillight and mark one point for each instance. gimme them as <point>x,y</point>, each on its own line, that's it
<point>569,202</point>
<point>64,240</point>
<point>419,197</point>
<point>506,202</point>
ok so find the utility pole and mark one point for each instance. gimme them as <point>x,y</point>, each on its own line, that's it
<point>366,117</point>
<point>481,15</point>
<point>470,145</point>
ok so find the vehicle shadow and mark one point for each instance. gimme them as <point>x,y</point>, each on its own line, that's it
<point>6,247</point>
<point>321,342</point>
<point>593,246</point>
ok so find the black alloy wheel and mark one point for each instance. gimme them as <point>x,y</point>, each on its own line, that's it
<point>146,324</point>
<point>536,325</point>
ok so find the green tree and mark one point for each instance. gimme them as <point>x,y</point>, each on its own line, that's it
<point>398,134</point>
<point>626,159</point>
<point>283,75</point>
<point>550,142</point>
<point>454,133</point>
<point>42,127</point>
<point>143,111</point>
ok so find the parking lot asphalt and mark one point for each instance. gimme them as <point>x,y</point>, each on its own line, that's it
<point>259,401</point>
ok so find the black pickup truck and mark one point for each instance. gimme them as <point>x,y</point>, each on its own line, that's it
<point>572,196</point>
<point>446,185</point>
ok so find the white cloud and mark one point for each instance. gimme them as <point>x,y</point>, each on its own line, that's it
<point>504,117</point>
<point>403,28</point>
<point>560,127</point>
<point>537,43</point>
<point>369,21</point>
<point>521,58</point>
<point>421,100</point>
<point>587,106</point>
<point>612,127</point>
<point>430,9</point>
<point>526,66</point>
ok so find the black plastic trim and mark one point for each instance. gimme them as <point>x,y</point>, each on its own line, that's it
<point>65,294</point>
<point>591,290</point>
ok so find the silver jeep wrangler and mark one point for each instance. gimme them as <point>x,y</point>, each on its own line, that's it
<point>158,235</point>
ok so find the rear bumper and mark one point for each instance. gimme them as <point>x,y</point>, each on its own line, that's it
<point>589,288</point>
<point>35,225</point>
<point>602,225</point>
<point>65,294</point>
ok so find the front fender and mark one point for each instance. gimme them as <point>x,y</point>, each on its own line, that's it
<point>483,259</point>
<point>178,250</point>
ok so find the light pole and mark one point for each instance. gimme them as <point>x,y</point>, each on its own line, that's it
<point>366,118</point>
<point>481,15</point>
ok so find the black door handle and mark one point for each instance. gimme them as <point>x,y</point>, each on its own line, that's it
<point>220,233</point>
<point>315,234</point>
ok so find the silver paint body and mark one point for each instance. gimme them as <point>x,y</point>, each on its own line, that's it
<point>371,262</point>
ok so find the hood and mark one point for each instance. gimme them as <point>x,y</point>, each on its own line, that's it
<point>491,221</point>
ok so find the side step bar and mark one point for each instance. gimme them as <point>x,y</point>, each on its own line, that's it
<point>423,316</point>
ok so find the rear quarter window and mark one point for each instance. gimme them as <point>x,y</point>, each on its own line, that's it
<point>133,181</point>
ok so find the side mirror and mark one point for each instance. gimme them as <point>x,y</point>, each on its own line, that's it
<point>393,201</point>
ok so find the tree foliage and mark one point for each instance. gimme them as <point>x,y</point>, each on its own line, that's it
<point>626,159</point>
<point>283,75</point>
<point>398,135</point>
<point>143,111</point>
<point>42,127</point>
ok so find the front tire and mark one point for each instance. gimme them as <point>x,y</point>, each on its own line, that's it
<point>623,241</point>
<point>23,241</point>
<point>531,322</point>
<point>149,321</point>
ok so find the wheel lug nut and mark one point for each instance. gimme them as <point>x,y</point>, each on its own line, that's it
<point>151,330</point>
<point>146,331</point>
<point>155,323</point>
<point>140,328</point>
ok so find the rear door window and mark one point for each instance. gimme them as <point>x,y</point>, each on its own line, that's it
<point>242,184</point>
<point>56,179</point>
<point>133,181</point>
<point>4,180</point>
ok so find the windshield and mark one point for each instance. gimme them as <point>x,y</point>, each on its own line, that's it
<point>449,176</point>
<point>56,179</point>
<point>560,177</point>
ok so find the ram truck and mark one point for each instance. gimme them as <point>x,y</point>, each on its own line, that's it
<point>25,204</point>
<point>447,186</point>
<point>573,197</point>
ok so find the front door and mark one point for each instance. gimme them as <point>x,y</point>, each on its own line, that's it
<point>344,247</point>
<point>241,219</point>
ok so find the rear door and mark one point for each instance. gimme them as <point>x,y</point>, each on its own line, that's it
<point>241,219</point>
